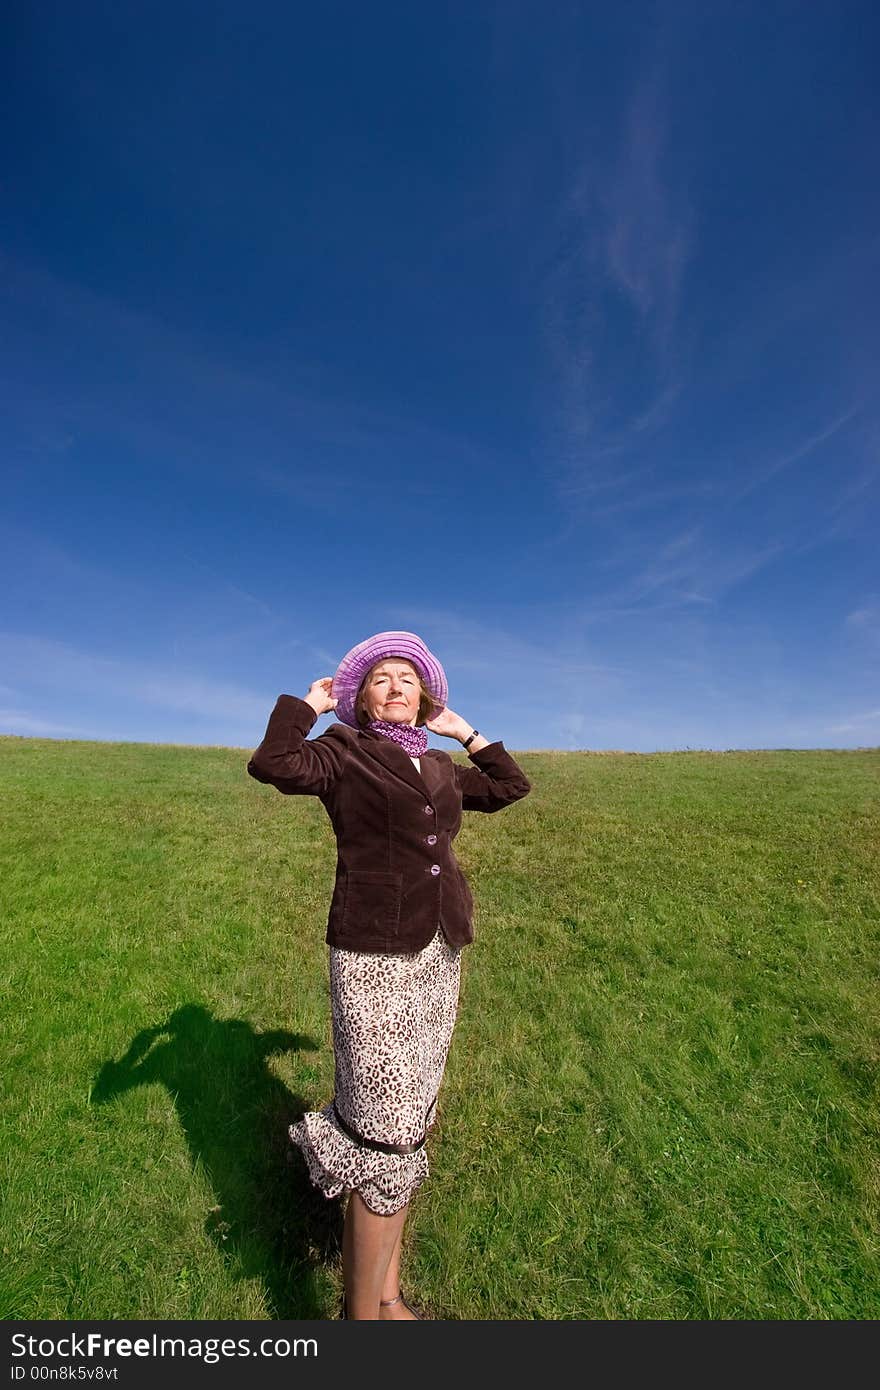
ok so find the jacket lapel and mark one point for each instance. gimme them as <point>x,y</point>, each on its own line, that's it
<point>393,757</point>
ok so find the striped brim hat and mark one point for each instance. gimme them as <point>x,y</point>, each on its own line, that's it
<point>356,664</point>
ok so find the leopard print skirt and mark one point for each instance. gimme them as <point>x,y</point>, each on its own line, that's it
<point>393,1017</point>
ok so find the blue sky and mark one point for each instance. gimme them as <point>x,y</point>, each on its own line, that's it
<point>545,331</point>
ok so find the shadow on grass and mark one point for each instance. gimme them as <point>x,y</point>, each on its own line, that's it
<point>234,1111</point>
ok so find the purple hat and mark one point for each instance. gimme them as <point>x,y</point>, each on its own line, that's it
<point>362,658</point>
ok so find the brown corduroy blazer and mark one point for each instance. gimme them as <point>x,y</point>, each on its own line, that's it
<point>397,878</point>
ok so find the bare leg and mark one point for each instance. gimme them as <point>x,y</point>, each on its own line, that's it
<point>391,1286</point>
<point>397,1310</point>
<point>371,1260</point>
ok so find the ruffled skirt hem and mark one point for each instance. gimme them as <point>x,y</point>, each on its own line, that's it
<point>385,1182</point>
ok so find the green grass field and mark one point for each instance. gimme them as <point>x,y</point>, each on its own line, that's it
<point>662,1096</point>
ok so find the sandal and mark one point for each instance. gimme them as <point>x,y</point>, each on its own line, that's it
<point>390,1302</point>
<point>383,1303</point>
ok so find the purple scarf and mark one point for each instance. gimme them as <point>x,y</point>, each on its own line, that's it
<point>412,741</point>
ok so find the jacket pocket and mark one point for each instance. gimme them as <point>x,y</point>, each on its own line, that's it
<point>371,911</point>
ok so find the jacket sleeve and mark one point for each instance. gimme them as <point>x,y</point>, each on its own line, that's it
<point>287,760</point>
<point>494,782</point>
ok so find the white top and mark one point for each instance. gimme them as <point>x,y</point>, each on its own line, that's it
<point>416,763</point>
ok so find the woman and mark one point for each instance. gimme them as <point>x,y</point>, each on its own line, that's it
<point>400,914</point>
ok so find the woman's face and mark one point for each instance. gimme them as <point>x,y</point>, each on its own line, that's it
<point>392,692</point>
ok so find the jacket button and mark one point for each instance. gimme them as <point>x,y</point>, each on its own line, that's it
<point>432,839</point>
<point>429,810</point>
<point>435,869</point>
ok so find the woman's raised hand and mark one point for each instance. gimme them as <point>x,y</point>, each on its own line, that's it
<point>319,696</point>
<point>449,725</point>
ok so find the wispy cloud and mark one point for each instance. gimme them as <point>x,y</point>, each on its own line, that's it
<point>181,401</point>
<point>623,239</point>
<point>868,721</point>
<point>867,616</point>
<point>862,626</point>
<point>541,674</point>
<point>198,615</point>
<point>55,665</point>
<point>770,468</point>
<point>853,497</point>
<point>689,567</point>
<point>646,237</point>
<point>513,661</point>
<point>659,497</point>
<point>242,596</point>
<point>14,721</point>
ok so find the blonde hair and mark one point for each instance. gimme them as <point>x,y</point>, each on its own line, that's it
<point>427,701</point>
